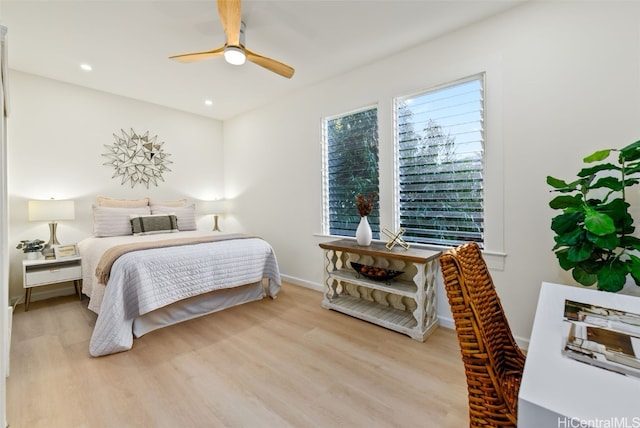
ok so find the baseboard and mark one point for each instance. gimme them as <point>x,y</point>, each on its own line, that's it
<point>522,342</point>
<point>446,322</point>
<point>45,294</point>
<point>303,283</point>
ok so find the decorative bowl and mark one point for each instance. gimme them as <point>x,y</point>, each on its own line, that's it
<point>375,273</point>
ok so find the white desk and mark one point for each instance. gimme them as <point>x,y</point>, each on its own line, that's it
<point>557,391</point>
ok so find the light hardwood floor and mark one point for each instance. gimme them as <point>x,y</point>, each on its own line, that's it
<point>272,363</point>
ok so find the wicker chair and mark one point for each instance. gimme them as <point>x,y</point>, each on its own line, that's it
<point>492,360</point>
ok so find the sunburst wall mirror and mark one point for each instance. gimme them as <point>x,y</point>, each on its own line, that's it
<point>137,158</point>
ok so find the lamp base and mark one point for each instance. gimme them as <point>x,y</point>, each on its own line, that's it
<point>48,252</point>
<point>215,224</point>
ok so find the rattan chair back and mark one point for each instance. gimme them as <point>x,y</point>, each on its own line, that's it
<point>492,360</point>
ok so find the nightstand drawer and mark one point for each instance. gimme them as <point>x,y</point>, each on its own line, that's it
<point>51,274</point>
<point>45,271</point>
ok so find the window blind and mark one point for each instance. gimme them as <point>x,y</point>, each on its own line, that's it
<point>440,149</point>
<point>351,142</point>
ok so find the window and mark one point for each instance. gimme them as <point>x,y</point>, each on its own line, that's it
<point>351,168</point>
<point>436,187</point>
<point>440,152</point>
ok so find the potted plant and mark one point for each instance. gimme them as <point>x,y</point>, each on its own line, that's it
<point>594,231</point>
<point>31,247</point>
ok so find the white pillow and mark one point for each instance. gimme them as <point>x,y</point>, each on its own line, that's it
<point>176,203</point>
<point>111,221</point>
<point>122,203</point>
<point>186,215</point>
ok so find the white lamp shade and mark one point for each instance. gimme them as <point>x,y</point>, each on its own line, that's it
<point>51,210</point>
<point>212,207</point>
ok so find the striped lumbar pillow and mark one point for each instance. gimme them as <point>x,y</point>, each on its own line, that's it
<point>150,224</point>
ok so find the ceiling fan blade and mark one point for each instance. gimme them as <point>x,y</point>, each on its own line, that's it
<point>199,56</point>
<point>270,64</point>
<point>231,16</point>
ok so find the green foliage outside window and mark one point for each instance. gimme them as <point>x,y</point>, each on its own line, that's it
<point>352,167</point>
<point>440,156</point>
<point>440,160</point>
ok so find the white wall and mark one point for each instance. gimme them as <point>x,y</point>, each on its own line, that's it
<point>568,84</point>
<point>56,136</point>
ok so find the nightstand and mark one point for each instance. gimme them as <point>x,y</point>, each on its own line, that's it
<point>50,271</point>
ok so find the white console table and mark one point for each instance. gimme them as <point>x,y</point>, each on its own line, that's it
<point>406,304</point>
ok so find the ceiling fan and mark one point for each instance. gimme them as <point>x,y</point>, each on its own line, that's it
<point>234,50</point>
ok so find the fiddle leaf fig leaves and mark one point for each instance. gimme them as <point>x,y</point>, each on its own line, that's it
<point>597,156</point>
<point>598,223</point>
<point>631,242</point>
<point>608,242</point>
<point>612,276</point>
<point>567,222</point>
<point>633,168</point>
<point>583,277</point>
<point>556,182</point>
<point>581,252</point>
<point>634,268</point>
<point>570,238</point>
<point>608,182</point>
<point>563,259</point>
<point>593,232</point>
<point>561,185</point>
<point>586,172</point>
<point>566,201</point>
<point>630,153</point>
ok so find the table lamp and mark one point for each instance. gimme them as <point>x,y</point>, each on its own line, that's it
<point>51,210</point>
<point>213,207</point>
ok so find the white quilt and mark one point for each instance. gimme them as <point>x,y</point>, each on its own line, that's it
<point>142,281</point>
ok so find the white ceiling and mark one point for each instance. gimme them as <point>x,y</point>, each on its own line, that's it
<point>128,42</point>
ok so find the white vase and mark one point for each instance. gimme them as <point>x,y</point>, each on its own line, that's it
<point>363,232</point>
<point>32,255</point>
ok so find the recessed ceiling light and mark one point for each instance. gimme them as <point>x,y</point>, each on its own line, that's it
<point>208,102</point>
<point>86,67</point>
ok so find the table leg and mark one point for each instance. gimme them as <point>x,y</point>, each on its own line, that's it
<point>27,299</point>
<point>77,283</point>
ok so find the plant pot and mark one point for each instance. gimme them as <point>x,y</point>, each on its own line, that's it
<point>364,235</point>
<point>33,255</point>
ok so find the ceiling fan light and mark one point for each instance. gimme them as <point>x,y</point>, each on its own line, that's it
<point>234,55</point>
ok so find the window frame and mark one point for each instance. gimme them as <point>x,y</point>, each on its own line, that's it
<point>491,65</point>
<point>396,148</point>
<point>326,220</point>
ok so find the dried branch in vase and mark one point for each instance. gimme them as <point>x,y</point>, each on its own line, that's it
<point>364,204</point>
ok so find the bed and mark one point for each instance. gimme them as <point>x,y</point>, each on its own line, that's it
<point>139,282</point>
